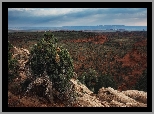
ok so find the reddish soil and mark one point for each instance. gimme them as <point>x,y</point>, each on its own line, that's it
<point>31,101</point>
<point>97,39</point>
<point>135,60</point>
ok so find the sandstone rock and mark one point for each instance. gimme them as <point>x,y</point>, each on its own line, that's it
<point>80,88</point>
<point>118,99</point>
<point>114,103</point>
<point>22,56</point>
<point>139,96</point>
<point>85,97</point>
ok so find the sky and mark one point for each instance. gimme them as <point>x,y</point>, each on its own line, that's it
<point>58,17</point>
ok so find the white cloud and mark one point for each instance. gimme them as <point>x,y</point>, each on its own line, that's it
<point>48,11</point>
<point>21,9</point>
<point>57,11</point>
<point>77,16</point>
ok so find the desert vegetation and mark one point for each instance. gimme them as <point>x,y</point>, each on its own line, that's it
<point>96,60</point>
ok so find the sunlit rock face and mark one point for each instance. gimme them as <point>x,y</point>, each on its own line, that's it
<point>108,97</point>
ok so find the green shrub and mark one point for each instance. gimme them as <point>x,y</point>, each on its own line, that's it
<point>47,56</point>
<point>89,79</point>
<point>105,80</point>
<point>141,84</point>
<point>12,64</point>
<point>94,81</point>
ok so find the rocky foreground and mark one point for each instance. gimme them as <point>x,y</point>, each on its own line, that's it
<point>82,96</point>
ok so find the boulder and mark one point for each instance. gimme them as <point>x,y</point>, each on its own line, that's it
<point>139,96</point>
<point>85,97</point>
<point>118,99</point>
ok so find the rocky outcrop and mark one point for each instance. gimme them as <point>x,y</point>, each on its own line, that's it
<point>22,55</point>
<point>85,97</point>
<point>116,98</point>
<point>108,97</point>
<point>139,96</point>
<point>80,96</point>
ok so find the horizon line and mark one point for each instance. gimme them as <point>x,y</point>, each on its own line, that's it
<point>79,25</point>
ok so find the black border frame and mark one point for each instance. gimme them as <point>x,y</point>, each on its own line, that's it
<point>6,5</point>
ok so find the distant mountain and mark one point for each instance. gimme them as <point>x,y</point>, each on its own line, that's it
<point>99,27</point>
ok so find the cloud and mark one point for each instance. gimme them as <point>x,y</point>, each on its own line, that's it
<point>46,11</point>
<point>75,16</point>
